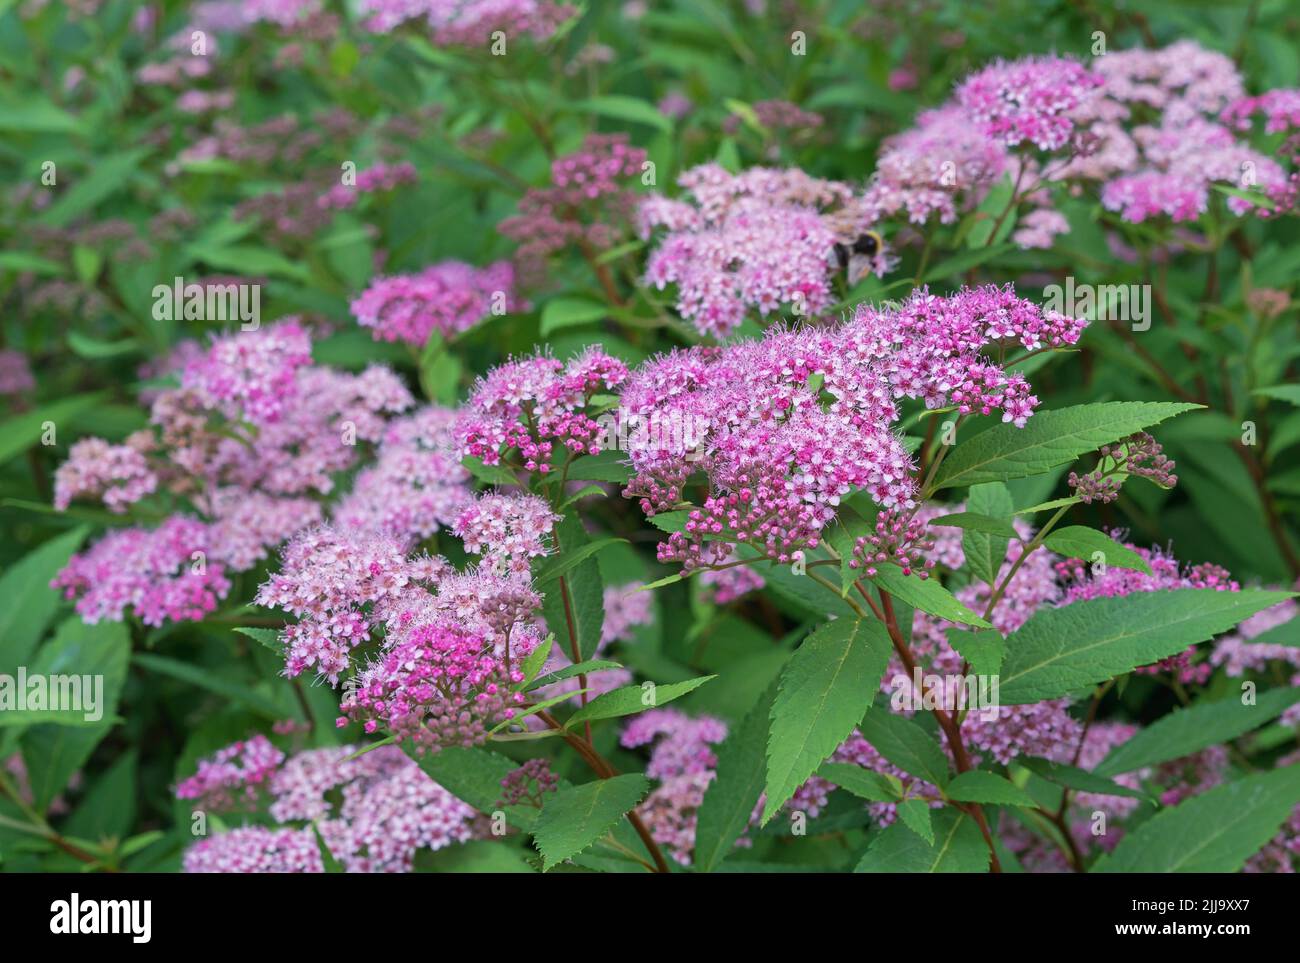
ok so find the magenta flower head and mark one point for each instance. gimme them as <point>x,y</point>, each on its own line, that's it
<point>449,298</point>
<point>532,412</point>
<point>1029,100</point>
<point>785,427</point>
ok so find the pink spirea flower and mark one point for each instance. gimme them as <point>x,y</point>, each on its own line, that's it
<point>786,426</point>
<point>1029,100</point>
<point>729,584</point>
<point>325,579</point>
<point>448,298</point>
<point>116,474</point>
<point>469,23</point>
<point>15,373</point>
<point>232,775</point>
<point>255,849</point>
<point>941,166</point>
<point>377,179</point>
<point>374,812</point>
<point>251,374</point>
<point>1280,109</point>
<point>760,239</point>
<point>684,762</point>
<point>164,574</point>
<point>531,405</point>
<point>589,202</point>
<point>416,484</point>
<point>507,530</point>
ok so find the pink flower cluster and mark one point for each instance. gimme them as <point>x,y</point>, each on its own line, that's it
<point>530,405</point>
<point>251,376</point>
<point>233,775</point>
<point>118,475</point>
<point>373,180</point>
<point>588,204</point>
<point>762,239</point>
<point>15,374</point>
<point>1031,100</point>
<point>469,23</point>
<point>374,812</point>
<point>296,426</point>
<point>325,580</point>
<point>507,530</point>
<point>449,297</point>
<point>683,761</point>
<point>1153,130</point>
<point>164,574</point>
<point>415,486</point>
<point>786,426</point>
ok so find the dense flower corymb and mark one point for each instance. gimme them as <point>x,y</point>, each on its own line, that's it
<point>786,426</point>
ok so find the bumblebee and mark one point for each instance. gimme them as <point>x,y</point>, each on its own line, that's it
<point>858,259</point>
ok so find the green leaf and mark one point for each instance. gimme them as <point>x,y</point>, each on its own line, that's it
<point>1062,650</point>
<point>54,752</point>
<point>985,552</point>
<point>23,431</point>
<point>915,815</point>
<point>631,699</point>
<point>28,579</point>
<point>624,108</point>
<point>670,522</point>
<point>958,848</point>
<point>1049,439</point>
<point>1072,777</point>
<point>1185,731</point>
<point>205,678</point>
<point>925,594</point>
<point>575,817</point>
<point>26,261</point>
<point>1047,506</point>
<point>1079,541</point>
<point>828,683</point>
<point>730,798</point>
<point>985,650</point>
<point>1215,832</point>
<point>569,559</point>
<point>91,348</point>
<point>250,260</point>
<point>533,663</point>
<point>977,522</point>
<point>575,606</point>
<point>492,474</point>
<point>608,466</point>
<point>331,864</point>
<point>269,638</point>
<point>569,671</point>
<point>107,175</point>
<point>965,261</point>
<point>1290,393</point>
<point>864,783</point>
<point>978,786</point>
<point>904,743</point>
<point>108,810</point>
<point>474,776</point>
<point>570,312</point>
